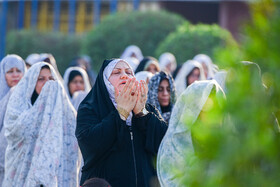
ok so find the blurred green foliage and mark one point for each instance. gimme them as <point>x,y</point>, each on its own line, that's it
<point>63,47</point>
<point>190,40</point>
<point>244,151</point>
<point>144,29</point>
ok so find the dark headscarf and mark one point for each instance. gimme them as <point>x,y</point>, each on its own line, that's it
<point>153,93</point>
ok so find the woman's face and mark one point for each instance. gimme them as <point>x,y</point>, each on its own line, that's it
<point>194,76</point>
<point>164,93</point>
<point>152,68</point>
<point>13,76</point>
<point>120,74</point>
<point>44,76</point>
<point>76,84</point>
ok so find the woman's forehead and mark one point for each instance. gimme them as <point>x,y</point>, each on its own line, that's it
<point>121,65</point>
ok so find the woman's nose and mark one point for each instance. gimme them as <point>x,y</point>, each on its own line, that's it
<point>165,92</point>
<point>15,74</point>
<point>124,76</point>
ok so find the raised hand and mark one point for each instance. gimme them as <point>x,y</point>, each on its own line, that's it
<point>141,98</point>
<point>127,98</point>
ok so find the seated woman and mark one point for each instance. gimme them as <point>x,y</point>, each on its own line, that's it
<point>11,71</point>
<point>118,133</point>
<point>39,127</point>
<point>162,94</point>
<point>76,82</point>
<point>149,64</point>
<point>188,119</point>
<point>191,71</point>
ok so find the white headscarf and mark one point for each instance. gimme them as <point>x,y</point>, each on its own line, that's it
<point>84,76</point>
<point>43,57</point>
<point>132,49</point>
<point>180,81</point>
<point>177,139</point>
<point>42,148</point>
<point>110,88</point>
<point>220,77</point>
<point>143,75</point>
<point>204,59</point>
<point>33,58</point>
<point>165,59</point>
<point>133,62</point>
<point>7,63</point>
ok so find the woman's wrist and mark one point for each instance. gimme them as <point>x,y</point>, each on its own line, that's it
<point>142,113</point>
<point>123,113</point>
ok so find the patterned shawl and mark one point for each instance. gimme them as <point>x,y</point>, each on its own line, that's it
<point>153,92</point>
<point>42,148</point>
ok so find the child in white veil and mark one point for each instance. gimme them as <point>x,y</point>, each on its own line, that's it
<point>178,139</point>
<point>42,148</point>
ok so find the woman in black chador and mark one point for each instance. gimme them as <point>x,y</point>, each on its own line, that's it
<point>118,133</point>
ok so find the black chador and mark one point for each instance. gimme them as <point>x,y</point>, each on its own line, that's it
<point>122,155</point>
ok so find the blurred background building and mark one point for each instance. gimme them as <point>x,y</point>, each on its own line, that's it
<point>78,16</point>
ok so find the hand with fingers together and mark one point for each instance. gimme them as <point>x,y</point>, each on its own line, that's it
<point>141,98</point>
<point>127,98</point>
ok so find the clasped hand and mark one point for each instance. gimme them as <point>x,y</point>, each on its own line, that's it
<point>133,97</point>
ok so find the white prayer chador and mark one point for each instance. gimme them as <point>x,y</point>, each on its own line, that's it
<point>165,59</point>
<point>84,76</point>
<point>205,59</point>
<point>42,148</point>
<point>177,140</point>
<point>132,50</point>
<point>7,63</point>
<point>143,75</point>
<point>181,78</point>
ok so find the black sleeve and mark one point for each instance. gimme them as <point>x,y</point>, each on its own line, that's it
<point>153,127</point>
<point>97,137</point>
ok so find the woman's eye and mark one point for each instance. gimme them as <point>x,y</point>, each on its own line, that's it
<point>129,73</point>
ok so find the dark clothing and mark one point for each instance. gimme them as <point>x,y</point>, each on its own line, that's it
<point>111,150</point>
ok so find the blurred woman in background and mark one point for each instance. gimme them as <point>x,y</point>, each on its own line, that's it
<point>148,64</point>
<point>162,94</point>
<point>12,69</point>
<point>76,83</point>
<point>191,71</point>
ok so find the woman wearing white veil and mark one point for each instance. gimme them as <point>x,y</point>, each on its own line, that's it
<point>76,84</point>
<point>209,68</point>
<point>39,127</point>
<point>167,62</point>
<point>190,71</point>
<point>12,68</point>
<point>178,140</point>
<point>132,51</point>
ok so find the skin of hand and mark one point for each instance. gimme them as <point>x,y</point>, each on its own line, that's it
<point>127,98</point>
<point>141,97</point>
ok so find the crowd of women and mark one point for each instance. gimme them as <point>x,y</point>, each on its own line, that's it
<point>65,131</point>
